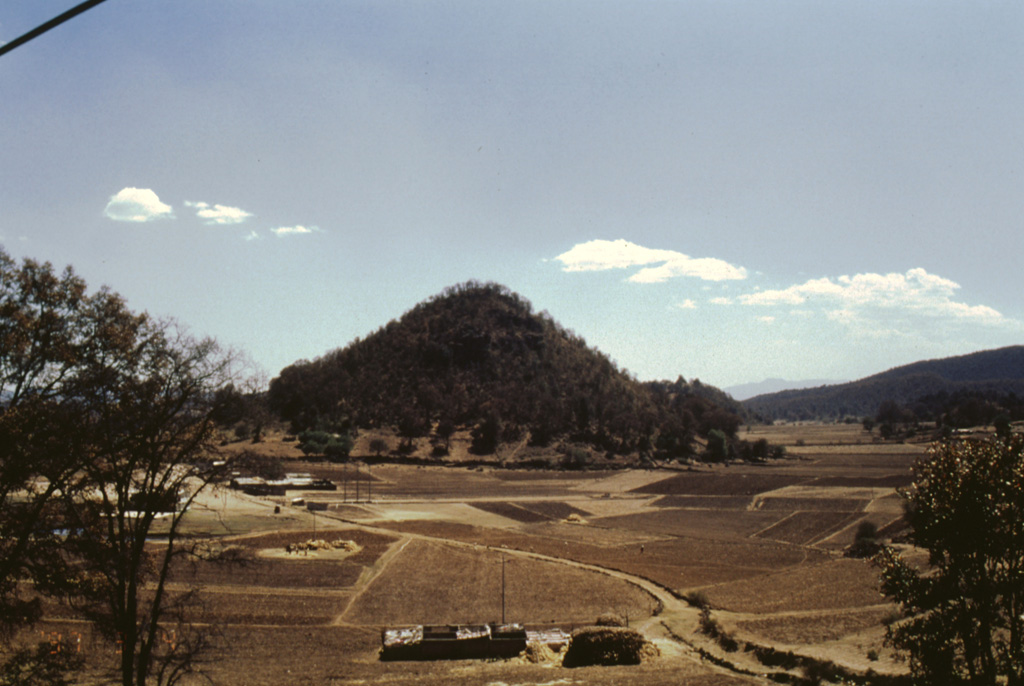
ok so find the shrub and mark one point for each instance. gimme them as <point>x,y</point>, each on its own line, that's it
<point>576,458</point>
<point>606,646</point>
<point>697,599</point>
<point>865,541</point>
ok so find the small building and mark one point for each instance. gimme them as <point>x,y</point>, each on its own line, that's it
<point>464,641</point>
<point>254,485</point>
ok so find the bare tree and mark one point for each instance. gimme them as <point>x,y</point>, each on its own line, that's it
<point>106,435</point>
<point>150,427</point>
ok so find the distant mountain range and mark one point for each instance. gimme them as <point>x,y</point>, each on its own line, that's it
<point>749,390</point>
<point>1000,370</point>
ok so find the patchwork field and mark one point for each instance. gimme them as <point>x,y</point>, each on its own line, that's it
<point>761,543</point>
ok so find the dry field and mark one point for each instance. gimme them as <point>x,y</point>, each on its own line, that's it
<point>761,542</point>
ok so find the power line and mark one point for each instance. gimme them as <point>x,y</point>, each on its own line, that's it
<point>43,28</point>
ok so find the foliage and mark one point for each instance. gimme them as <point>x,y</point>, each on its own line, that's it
<point>106,426</point>
<point>478,357</point>
<point>718,446</point>
<point>334,446</point>
<point>444,431</point>
<point>379,445</point>
<point>698,599</point>
<point>576,458</point>
<point>865,541</point>
<point>243,410</point>
<point>47,664</point>
<point>487,434</point>
<point>605,645</point>
<point>964,617</point>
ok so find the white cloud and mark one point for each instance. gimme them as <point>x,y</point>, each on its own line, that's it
<point>766,319</point>
<point>137,205</point>
<point>687,305</point>
<point>721,301</point>
<point>219,214</point>
<point>600,255</point>
<point>253,236</point>
<point>293,230</point>
<point>915,292</point>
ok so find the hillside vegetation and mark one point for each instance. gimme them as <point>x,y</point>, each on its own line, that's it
<point>983,374</point>
<point>478,357</point>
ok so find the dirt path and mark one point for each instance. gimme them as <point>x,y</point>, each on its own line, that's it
<point>674,628</point>
<point>372,572</point>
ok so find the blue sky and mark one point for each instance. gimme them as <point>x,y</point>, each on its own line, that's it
<point>720,190</point>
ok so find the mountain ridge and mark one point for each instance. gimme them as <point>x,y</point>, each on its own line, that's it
<point>997,370</point>
<point>752,389</point>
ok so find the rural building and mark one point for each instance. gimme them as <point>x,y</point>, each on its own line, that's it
<point>464,641</point>
<point>255,485</point>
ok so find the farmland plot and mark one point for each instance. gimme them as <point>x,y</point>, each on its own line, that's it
<point>833,584</point>
<point>805,528</point>
<point>438,583</point>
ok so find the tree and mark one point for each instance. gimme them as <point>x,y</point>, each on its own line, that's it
<point>106,429</point>
<point>487,434</point>
<point>151,433</point>
<point>444,430</point>
<point>718,446</point>
<point>48,327</point>
<point>334,446</point>
<point>411,425</point>
<point>964,617</point>
<point>378,445</point>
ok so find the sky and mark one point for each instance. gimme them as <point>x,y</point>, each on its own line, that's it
<point>723,190</point>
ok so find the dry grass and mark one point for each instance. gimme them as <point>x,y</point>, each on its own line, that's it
<point>437,583</point>
<point>705,524</point>
<point>705,502</point>
<point>832,585</point>
<point>676,563</point>
<point>296,573</point>
<point>277,617</point>
<point>735,483</point>
<point>810,629</point>
<point>223,607</point>
<point>822,505</point>
<point>804,528</point>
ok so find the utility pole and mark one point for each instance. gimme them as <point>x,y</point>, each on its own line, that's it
<point>503,588</point>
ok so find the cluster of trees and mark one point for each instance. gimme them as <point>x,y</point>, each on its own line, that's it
<point>963,617</point>
<point>948,411</point>
<point>477,356</point>
<point>106,424</point>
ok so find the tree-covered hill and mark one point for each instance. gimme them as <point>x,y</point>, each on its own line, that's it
<point>990,371</point>
<point>478,357</point>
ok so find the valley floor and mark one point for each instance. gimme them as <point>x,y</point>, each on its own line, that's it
<point>761,544</point>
